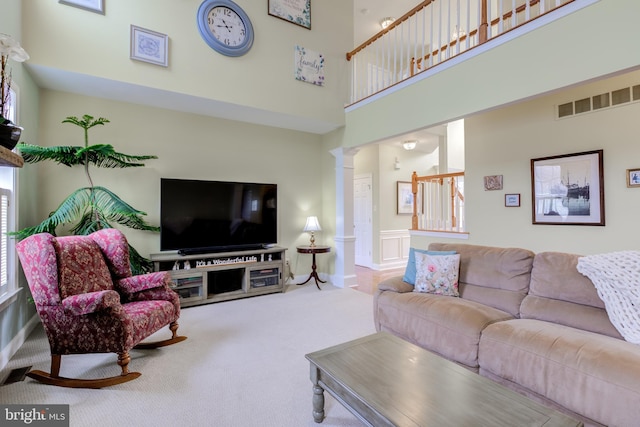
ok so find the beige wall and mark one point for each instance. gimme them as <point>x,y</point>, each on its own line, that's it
<point>187,146</point>
<point>588,44</point>
<point>503,142</point>
<point>69,39</point>
<point>379,161</point>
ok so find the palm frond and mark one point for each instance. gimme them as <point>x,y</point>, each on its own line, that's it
<point>86,122</point>
<point>113,208</point>
<point>95,208</point>
<point>66,154</point>
<point>139,264</point>
<point>101,155</point>
<point>104,156</point>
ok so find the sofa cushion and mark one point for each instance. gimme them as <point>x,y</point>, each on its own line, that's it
<point>560,294</point>
<point>448,326</point>
<point>437,274</point>
<point>410,271</point>
<point>587,373</point>
<point>497,277</point>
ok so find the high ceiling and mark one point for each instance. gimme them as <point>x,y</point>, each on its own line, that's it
<point>367,17</point>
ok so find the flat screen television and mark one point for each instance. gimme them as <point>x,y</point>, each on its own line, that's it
<point>214,216</point>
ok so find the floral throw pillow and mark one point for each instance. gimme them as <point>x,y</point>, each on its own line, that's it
<point>437,274</point>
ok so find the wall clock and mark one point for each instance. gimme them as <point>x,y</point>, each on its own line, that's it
<point>225,27</point>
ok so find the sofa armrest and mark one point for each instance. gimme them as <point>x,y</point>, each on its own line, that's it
<point>395,284</point>
<point>143,282</point>
<point>91,302</point>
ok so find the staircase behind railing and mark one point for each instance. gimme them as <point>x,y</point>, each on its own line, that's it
<point>433,32</point>
<point>438,202</point>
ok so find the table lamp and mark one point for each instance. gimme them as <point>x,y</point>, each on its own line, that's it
<point>312,226</point>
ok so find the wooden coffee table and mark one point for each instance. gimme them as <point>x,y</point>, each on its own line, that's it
<point>386,381</point>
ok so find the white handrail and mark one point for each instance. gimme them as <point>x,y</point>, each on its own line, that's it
<point>431,33</point>
<point>438,202</point>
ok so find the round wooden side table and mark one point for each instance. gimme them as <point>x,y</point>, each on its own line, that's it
<point>313,250</point>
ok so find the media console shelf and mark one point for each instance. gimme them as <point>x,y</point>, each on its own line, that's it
<point>221,276</point>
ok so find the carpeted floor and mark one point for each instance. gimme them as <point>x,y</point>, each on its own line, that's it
<point>242,365</point>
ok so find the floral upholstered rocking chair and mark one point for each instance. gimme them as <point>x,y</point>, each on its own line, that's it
<point>89,302</point>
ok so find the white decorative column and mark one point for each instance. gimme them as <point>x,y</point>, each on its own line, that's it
<point>345,267</point>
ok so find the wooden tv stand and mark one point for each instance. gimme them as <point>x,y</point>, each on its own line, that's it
<point>222,276</point>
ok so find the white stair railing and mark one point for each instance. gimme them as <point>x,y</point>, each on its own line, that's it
<point>438,202</point>
<point>433,32</point>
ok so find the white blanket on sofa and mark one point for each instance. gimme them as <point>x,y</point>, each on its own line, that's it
<point>616,276</point>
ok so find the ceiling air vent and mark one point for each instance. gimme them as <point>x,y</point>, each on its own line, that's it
<point>599,102</point>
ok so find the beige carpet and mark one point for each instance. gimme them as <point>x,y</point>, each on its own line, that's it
<point>243,365</point>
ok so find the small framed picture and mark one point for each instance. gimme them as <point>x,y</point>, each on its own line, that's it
<point>405,198</point>
<point>493,182</point>
<point>96,6</point>
<point>633,178</point>
<point>295,11</point>
<point>149,46</point>
<point>512,200</point>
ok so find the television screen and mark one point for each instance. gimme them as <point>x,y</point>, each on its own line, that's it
<point>209,216</point>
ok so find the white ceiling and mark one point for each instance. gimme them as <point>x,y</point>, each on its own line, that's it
<point>367,17</point>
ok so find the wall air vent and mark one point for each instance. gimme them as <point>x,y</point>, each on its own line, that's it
<point>599,102</point>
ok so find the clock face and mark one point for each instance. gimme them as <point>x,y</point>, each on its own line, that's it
<point>225,27</point>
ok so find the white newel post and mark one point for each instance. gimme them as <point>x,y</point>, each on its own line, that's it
<point>345,267</point>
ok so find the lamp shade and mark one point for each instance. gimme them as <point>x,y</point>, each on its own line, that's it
<point>312,224</point>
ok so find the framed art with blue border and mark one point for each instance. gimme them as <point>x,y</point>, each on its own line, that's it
<point>512,200</point>
<point>149,46</point>
<point>225,27</point>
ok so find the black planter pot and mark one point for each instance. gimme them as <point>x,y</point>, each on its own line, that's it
<point>9,135</point>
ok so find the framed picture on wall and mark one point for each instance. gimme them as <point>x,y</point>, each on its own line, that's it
<point>96,6</point>
<point>295,11</point>
<point>512,200</point>
<point>568,189</point>
<point>633,178</point>
<point>405,198</point>
<point>149,46</point>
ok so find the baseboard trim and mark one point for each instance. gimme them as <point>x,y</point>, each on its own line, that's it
<point>10,349</point>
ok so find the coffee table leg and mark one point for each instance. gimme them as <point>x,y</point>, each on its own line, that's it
<point>318,395</point>
<point>318,403</point>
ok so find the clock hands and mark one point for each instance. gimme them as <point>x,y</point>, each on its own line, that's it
<point>228,27</point>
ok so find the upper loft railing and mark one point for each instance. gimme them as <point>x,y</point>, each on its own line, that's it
<point>433,32</point>
<point>438,202</point>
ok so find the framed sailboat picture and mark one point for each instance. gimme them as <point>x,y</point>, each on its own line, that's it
<point>568,189</point>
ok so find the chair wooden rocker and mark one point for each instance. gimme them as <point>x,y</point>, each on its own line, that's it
<point>89,302</point>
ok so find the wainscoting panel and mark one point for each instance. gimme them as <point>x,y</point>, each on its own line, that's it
<point>394,249</point>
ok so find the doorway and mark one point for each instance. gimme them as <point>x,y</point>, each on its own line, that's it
<point>363,219</point>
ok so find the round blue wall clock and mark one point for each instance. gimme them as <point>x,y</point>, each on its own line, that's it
<point>225,27</point>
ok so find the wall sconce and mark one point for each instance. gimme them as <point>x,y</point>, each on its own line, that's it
<point>409,145</point>
<point>312,226</point>
<point>385,22</point>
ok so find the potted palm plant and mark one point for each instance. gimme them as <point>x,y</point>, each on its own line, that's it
<point>9,49</point>
<point>90,208</point>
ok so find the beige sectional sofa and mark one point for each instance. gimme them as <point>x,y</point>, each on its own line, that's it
<point>529,321</point>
